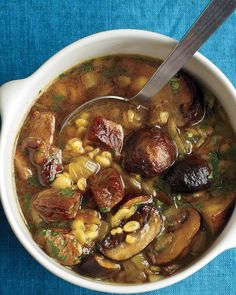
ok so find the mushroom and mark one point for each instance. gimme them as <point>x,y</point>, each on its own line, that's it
<point>123,245</point>
<point>172,244</point>
<point>98,266</point>
<point>191,174</point>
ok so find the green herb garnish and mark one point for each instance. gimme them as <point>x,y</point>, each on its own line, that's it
<point>86,67</point>
<point>27,201</point>
<point>104,210</point>
<point>67,192</point>
<point>56,99</point>
<point>162,186</point>
<point>55,251</point>
<point>214,162</point>
<point>174,83</point>
<point>115,71</point>
<point>33,180</point>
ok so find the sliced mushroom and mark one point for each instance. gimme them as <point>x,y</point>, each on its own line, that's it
<point>148,152</point>
<point>190,174</point>
<point>119,247</point>
<point>180,98</point>
<point>99,267</point>
<point>171,245</point>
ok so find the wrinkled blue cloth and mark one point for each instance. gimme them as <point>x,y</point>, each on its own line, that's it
<point>33,30</point>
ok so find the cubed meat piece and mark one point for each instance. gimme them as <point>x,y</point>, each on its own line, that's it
<point>107,188</point>
<point>40,138</point>
<point>53,205</point>
<point>52,166</point>
<point>60,245</point>
<point>22,165</point>
<point>148,152</point>
<point>42,126</point>
<point>107,133</point>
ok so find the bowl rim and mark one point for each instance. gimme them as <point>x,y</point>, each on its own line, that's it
<point>61,271</point>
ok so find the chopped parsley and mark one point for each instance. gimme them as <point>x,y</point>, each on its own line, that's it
<point>174,83</point>
<point>86,67</point>
<point>27,201</point>
<point>104,210</point>
<point>33,180</point>
<point>67,192</point>
<point>162,186</point>
<point>56,100</point>
<point>115,71</point>
<point>214,162</point>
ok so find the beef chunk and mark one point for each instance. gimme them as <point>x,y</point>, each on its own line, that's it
<point>106,133</point>
<point>107,188</point>
<point>53,205</point>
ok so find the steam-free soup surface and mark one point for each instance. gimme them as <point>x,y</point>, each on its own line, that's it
<point>125,194</point>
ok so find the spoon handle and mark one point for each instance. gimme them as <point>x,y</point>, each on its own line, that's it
<point>211,18</point>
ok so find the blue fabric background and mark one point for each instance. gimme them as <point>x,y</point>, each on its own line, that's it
<point>32,31</point>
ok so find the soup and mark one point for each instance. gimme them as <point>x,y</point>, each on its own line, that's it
<point>125,194</point>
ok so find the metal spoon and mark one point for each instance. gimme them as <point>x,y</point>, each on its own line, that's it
<point>211,18</point>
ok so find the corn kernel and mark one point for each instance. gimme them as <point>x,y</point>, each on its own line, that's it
<point>81,122</point>
<point>130,116</point>
<point>93,153</point>
<point>131,226</point>
<point>80,236</point>
<point>155,268</point>
<point>164,117</point>
<point>130,239</point>
<point>103,161</point>
<point>89,79</point>
<point>62,181</point>
<point>117,230</point>
<point>77,223</point>
<point>107,155</point>
<point>80,131</point>
<point>124,81</point>
<point>82,184</point>
<point>92,227</point>
<point>85,116</point>
<point>91,235</point>
<point>123,213</point>
<point>88,148</point>
<point>139,82</point>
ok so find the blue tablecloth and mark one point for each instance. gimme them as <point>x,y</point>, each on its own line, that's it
<point>33,30</point>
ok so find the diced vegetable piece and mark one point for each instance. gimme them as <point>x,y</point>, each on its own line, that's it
<point>148,152</point>
<point>171,245</point>
<point>106,133</point>
<point>99,267</point>
<point>53,205</point>
<point>121,249</point>
<point>215,210</point>
<point>190,174</point>
<point>82,167</point>
<point>107,188</point>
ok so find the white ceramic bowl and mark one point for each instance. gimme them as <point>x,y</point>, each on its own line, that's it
<point>17,97</point>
